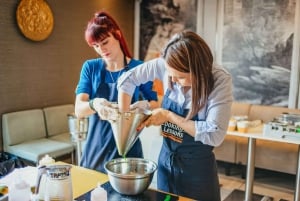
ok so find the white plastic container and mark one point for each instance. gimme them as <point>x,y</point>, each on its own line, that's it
<point>46,160</point>
<point>243,126</point>
<point>99,194</point>
<point>19,190</point>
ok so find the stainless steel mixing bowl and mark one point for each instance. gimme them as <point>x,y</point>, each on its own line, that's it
<point>130,176</point>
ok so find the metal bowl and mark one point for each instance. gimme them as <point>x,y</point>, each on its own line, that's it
<point>130,176</point>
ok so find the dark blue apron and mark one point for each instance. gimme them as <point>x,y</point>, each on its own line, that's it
<point>186,167</point>
<point>100,145</point>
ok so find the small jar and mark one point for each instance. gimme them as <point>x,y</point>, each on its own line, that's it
<point>232,125</point>
<point>242,126</point>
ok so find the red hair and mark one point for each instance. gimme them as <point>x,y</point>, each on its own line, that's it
<point>99,27</point>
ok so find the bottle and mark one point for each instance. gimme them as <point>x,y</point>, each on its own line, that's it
<point>19,190</point>
<point>46,160</point>
<point>99,194</point>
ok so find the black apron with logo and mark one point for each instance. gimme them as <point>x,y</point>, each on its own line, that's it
<point>100,145</point>
<point>186,167</point>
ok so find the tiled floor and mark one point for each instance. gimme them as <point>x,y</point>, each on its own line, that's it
<point>271,185</point>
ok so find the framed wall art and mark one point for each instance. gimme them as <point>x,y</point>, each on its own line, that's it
<point>158,20</point>
<point>258,43</point>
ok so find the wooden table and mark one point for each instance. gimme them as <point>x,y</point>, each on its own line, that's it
<point>252,135</point>
<point>84,180</point>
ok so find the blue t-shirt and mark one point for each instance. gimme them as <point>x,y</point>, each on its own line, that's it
<point>90,78</point>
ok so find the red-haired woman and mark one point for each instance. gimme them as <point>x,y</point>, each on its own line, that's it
<point>96,90</point>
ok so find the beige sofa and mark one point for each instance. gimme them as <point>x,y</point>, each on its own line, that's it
<point>276,156</point>
<point>31,134</point>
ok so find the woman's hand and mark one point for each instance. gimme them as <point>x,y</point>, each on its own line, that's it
<point>105,109</point>
<point>158,117</point>
<point>144,104</point>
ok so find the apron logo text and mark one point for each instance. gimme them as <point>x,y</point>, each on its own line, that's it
<point>173,132</point>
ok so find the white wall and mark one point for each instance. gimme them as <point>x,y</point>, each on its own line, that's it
<point>151,141</point>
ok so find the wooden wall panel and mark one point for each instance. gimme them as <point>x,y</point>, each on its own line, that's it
<point>40,74</point>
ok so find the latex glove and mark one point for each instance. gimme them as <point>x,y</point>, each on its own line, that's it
<point>105,109</point>
<point>144,104</point>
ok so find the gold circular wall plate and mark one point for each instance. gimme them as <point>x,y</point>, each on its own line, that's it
<point>35,19</point>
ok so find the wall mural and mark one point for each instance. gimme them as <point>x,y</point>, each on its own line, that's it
<point>257,49</point>
<point>160,19</point>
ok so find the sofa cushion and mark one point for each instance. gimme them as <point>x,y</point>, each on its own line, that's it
<point>63,137</point>
<point>277,156</point>
<point>268,113</point>
<point>57,119</point>
<point>23,126</point>
<point>24,135</point>
<point>34,150</point>
<point>227,150</point>
<point>238,108</point>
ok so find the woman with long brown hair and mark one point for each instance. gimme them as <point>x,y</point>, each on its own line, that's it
<point>194,115</point>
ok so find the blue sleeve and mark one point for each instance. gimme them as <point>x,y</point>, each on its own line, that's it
<point>84,84</point>
<point>147,91</point>
<point>89,77</point>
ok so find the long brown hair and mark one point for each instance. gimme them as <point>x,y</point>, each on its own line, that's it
<point>187,52</point>
<point>99,27</point>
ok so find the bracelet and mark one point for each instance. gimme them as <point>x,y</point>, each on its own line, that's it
<point>91,104</point>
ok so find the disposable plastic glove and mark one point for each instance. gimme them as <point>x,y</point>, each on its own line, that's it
<point>140,104</point>
<point>105,109</point>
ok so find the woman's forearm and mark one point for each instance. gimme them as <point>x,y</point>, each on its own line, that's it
<point>187,125</point>
<point>82,106</point>
<point>145,72</point>
<point>124,101</point>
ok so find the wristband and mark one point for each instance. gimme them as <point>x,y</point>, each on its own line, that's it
<point>91,104</point>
